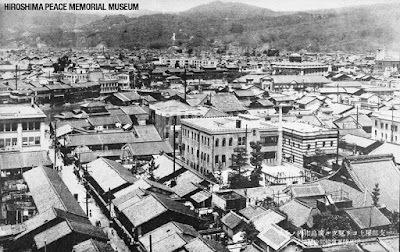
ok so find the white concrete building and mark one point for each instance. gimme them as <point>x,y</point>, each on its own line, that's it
<point>208,143</point>
<point>22,128</point>
<point>386,126</point>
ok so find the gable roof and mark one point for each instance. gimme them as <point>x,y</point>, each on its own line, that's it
<point>297,212</point>
<point>127,96</point>
<point>388,148</point>
<point>367,217</point>
<point>151,207</point>
<point>92,245</point>
<point>133,110</point>
<point>251,212</point>
<point>358,141</point>
<point>169,237</point>
<point>306,190</point>
<point>231,220</point>
<point>275,237</point>
<point>268,217</point>
<point>48,190</point>
<point>109,174</point>
<point>204,245</point>
<point>226,102</point>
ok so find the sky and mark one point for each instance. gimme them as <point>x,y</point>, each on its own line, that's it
<point>182,5</point>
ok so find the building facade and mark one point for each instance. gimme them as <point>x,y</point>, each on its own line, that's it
<point>386,126</point>
<point>301,142</point>
<point>208,143</point>
<point>22,128</point>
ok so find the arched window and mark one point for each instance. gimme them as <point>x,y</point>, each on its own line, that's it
<point>223,141</point>
<point>230,141</point>
<point>216,142</point>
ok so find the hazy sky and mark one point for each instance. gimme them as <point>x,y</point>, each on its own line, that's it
<point>182,5</point>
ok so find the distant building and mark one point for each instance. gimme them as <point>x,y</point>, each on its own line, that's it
<point>22,128</point>
<point>208,143</point>
<point>302,68</point>
<point>386,126</point>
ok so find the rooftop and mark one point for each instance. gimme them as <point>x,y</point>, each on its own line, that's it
<point>216,124</point>
<point>20,111</point>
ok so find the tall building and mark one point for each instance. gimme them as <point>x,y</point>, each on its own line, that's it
<point>22,128</point>
<point>386,125</point>
<point>208,143</point>
<point>301,140</point>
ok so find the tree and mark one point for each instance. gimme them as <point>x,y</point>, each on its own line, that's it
<point>250,232</point>
<point>256,160</point>
<point>375,195</point>
<point>330,221</point>
<point>152,166</point>
<point>321,159</point>
<point>239,160</point>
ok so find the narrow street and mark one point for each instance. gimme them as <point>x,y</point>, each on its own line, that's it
<point>95,214</point>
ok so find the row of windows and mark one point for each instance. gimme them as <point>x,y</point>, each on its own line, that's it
<point>26,141</point>
<point>386,136</point>
<point>4,127</point>
<point>386,126</point>
<point>7,142</point>
<point>293,143</point>
<point>8,127</point>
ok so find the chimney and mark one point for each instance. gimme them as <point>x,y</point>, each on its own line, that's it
<point>238,124</point>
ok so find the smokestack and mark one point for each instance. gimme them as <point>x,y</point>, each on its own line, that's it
<point>280,138</point>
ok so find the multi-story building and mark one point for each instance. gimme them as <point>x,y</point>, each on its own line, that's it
<point>186,62</point>
<point>303,68</point>
<point>22,128</point>
<point>164,115</point>
<point>208,143</point>
<point>386,126</point>
<point>301,140</point>
<point>109,86</point>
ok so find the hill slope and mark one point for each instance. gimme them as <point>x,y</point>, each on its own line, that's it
<point>358,28</point>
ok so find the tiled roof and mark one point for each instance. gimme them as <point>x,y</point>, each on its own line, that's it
<point>231,220</point>
<point>146,133</point>
<point>388,148</point>
<point>358,141</point>
<point>150,148</point>
<point>186,183</point>
<point>109,174</point>
<point>268,217</point>
<point>151,207</point>
<point>204,245</point>
<point>297,212</point>
<point>169,237</point>
<point>101,138</point>
<point>306,190</point>
<point>227,103</point>
<point>48,190</point>
<point>251,212</point>
<point>274,236</point>
<point>92,245</point>
<point>16,160</point>
<point>133,110</point>
<point>366,171</point>
<point>367,217</point>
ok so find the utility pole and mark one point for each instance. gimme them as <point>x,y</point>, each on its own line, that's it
<point>55,145</point>
<point>16,77</point>
<point>184,81</point>
<point>391,126</point>
<point>337,148</point>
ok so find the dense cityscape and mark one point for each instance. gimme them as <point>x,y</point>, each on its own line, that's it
<point>186,149</point>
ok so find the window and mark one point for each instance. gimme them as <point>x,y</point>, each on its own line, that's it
<point>331,143</point>
<point>230,141</point>
<point>216,142</point>
<point>208,158</point>
<point>216,159</point>
<point>254,132</point>
<point>376,123</point>
<point>323,144</point>
<point>8,141</point>
<point>241,140</point>
<point>191,150</point>
<point>270,155</point>
<point>308,146</point>
<point>386,126</point>
<point>25,141</point>
<point>14,127</point>
<point>223,158</point>
<point>167,134</point>
<point>8,126</point>
<point>208,141</point>
<point>381,125</point>
<point>376,132</point>
<point>223,141</point>
<point>14,141</point>
<point>2,143</point>
<point>197,153</point>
